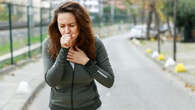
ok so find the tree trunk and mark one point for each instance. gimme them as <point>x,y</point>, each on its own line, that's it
<point>169,27</point>
<point>175,33</point>
<point>149,18</point>
<point>149,23</point>
<point>157,21</point>
<point>143,16</point>
<point>157,28</point>
<point>134,19</point>
<point>143,12</point>
<point>188,32</point>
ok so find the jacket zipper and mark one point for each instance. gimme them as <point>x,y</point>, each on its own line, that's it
<point>72,89</point>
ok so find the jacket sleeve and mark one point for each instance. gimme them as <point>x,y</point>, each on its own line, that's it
<point>101,70</point>
<point>53,70</point>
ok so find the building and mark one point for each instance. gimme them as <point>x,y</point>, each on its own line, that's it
<point>117,3</point>
<point>36,3</point>
<point>93,6</point>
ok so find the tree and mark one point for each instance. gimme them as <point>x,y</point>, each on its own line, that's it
<point>131,11</point>
<point>185,16</point>
<point>152,7</point>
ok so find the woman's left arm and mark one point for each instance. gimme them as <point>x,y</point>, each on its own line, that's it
<point>101,70</point>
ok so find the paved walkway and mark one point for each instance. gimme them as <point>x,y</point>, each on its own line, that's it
<point>19,87</point>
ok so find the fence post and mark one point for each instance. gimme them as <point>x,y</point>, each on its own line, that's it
<point>50,11</point>
<point>29,33</point>
<point>10,31</point>
<point>175,33</point>
<point>41,27</point>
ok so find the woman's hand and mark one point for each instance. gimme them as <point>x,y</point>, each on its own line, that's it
<point>65,41</point>
<point>77,56</point>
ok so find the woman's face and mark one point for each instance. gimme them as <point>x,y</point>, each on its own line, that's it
<point>67,25</point>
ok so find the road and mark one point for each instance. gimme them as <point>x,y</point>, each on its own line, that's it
<point>140,84</point>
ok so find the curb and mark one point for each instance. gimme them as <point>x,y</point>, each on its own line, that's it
<point>13,67</point>
<point>187,80</point>
<point>22,101</point>
<point>33,95</point>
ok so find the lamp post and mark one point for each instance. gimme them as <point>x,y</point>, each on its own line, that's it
<point>29,23</point>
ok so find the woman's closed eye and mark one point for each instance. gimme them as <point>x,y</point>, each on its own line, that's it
<point>62,26</point>
<point>72,25</point>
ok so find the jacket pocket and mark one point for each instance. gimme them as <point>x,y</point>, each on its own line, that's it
<point>86,97</point>
<point>61,98</point>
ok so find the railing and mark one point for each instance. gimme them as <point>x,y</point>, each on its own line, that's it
<point>23,28</point>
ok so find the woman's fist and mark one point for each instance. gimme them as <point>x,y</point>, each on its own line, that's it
<point>65,41</point>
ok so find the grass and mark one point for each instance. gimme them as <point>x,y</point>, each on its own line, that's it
<point>5,48</point>
<point>4,16</point>
<point>36,39</point>
<point>23,57</point>
<point>4,64</point>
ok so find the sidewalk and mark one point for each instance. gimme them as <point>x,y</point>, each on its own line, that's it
<point>13,98</point>
<point>185,55</point>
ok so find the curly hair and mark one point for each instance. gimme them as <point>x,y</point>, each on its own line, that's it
<point>85,40</point>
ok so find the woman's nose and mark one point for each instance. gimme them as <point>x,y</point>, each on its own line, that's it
<point>67,30</point>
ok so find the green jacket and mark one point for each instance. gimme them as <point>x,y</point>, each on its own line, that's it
<point>75,89</point>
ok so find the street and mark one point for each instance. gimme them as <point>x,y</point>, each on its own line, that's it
<point>140,84</point>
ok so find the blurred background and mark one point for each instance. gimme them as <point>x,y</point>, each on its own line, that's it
<point>24,23</point>
<point>162,27</point>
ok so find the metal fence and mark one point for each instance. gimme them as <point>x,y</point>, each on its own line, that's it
<point>23,28</point>
<point>108,24</point>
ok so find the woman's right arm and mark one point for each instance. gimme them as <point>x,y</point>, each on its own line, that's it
<point>53,70</point>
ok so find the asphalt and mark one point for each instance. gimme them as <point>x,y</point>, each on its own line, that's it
<point>20,86</point>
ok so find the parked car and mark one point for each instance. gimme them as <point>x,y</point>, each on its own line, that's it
<point>139,32</point>
<point>164,28</point>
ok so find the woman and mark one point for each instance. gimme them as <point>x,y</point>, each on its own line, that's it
<point>73,58</point>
